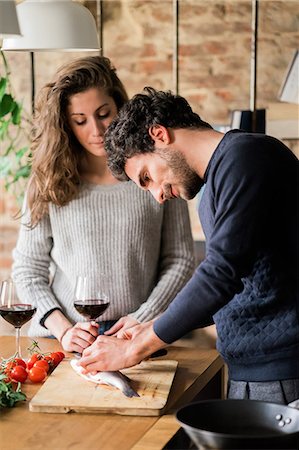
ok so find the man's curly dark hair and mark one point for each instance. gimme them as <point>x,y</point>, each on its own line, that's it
<point>128,134</point>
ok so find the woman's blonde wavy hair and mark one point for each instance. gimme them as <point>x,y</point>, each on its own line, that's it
<point>56,153</point>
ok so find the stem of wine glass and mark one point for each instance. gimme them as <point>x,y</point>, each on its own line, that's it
<point>18,344</point>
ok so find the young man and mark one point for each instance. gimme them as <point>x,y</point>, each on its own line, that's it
<point>247,284</point>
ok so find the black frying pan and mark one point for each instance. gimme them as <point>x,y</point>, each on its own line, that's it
<point>240,424</point>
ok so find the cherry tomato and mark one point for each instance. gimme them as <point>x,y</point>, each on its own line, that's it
<point>9,366</point>
<point>43,364</point>
<point>20,362</point>
<point>37,374</point>
<point>35,357</point>
<point>56,358</point>
<point>61,355</point>
<point>13,363</point>
<point>51,363</point>
<point>18,374</point>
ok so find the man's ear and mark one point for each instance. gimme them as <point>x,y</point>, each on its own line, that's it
<point>159,134</point>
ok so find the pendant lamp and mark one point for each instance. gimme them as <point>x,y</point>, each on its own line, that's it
<point>54,25</point>
<point>9,25</point>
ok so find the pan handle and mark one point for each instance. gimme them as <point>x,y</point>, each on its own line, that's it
<point>294,404</point>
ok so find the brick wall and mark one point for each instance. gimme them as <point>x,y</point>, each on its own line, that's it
<point>214,63</point>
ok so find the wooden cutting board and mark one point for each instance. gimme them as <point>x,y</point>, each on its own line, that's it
<point>65,391</point>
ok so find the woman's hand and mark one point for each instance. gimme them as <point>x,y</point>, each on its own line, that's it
<point>118,329</point>
<point>79,336</point>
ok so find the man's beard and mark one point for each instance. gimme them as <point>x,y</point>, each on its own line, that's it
<point>187,178</point>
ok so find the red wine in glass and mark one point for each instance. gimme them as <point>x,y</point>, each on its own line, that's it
<point>91,300</point>
<point>18,314</point>
<point>92,309</point>
<point>15,311</point>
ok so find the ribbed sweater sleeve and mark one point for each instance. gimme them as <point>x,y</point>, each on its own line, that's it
<point>145,250</point>
<point>175,265</point>
<point>31,267</point>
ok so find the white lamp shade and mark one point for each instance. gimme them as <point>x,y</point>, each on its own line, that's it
<point>54,25</point>
<point>9,25</point>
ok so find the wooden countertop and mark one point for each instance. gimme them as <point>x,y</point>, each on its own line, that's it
<point>22,430</point>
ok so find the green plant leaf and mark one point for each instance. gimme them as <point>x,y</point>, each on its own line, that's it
<point>3,129</point>
<point>15,126</point>
<point>16,114</point>
<point>20,153</point>
<point>22,172</point>
<point>3,83</point>
<point>8,395</point>
<point>7,105</point>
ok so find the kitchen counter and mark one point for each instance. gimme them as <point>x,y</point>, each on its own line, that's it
<point>200,374</point>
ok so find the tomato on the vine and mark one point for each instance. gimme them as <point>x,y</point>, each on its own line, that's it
<point>12,363</point>
<point>20,362</point>
<point>35,357</point>
<point>18,374</point>
<point>43,364</point>
<point>16,370</point>
<point>8,367</point>
<point>55,357</point>
<point>49,360</point>
<point>37,374</point>
<point>61,354</point>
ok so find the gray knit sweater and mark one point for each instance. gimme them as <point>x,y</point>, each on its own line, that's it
<point>120,230</point>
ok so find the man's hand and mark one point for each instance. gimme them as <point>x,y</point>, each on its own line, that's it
<point>119,328</point>
<point>79,337</point>
<point>110,353</point>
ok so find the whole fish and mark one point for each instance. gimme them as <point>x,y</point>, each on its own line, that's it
<point>116,379</point>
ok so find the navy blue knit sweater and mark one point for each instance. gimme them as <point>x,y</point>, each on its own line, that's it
<point>247,283</point>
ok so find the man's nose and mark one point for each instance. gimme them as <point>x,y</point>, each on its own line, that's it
<point>158,194</point>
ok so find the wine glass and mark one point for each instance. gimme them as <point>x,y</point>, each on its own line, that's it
<point>91,298</point>
<point>16,312</point>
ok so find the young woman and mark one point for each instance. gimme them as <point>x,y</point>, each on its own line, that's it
<point>79,220</point>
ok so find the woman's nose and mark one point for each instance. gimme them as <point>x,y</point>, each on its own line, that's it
<point>98,128</point>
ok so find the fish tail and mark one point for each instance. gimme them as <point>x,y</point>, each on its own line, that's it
<point>129,392</point>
